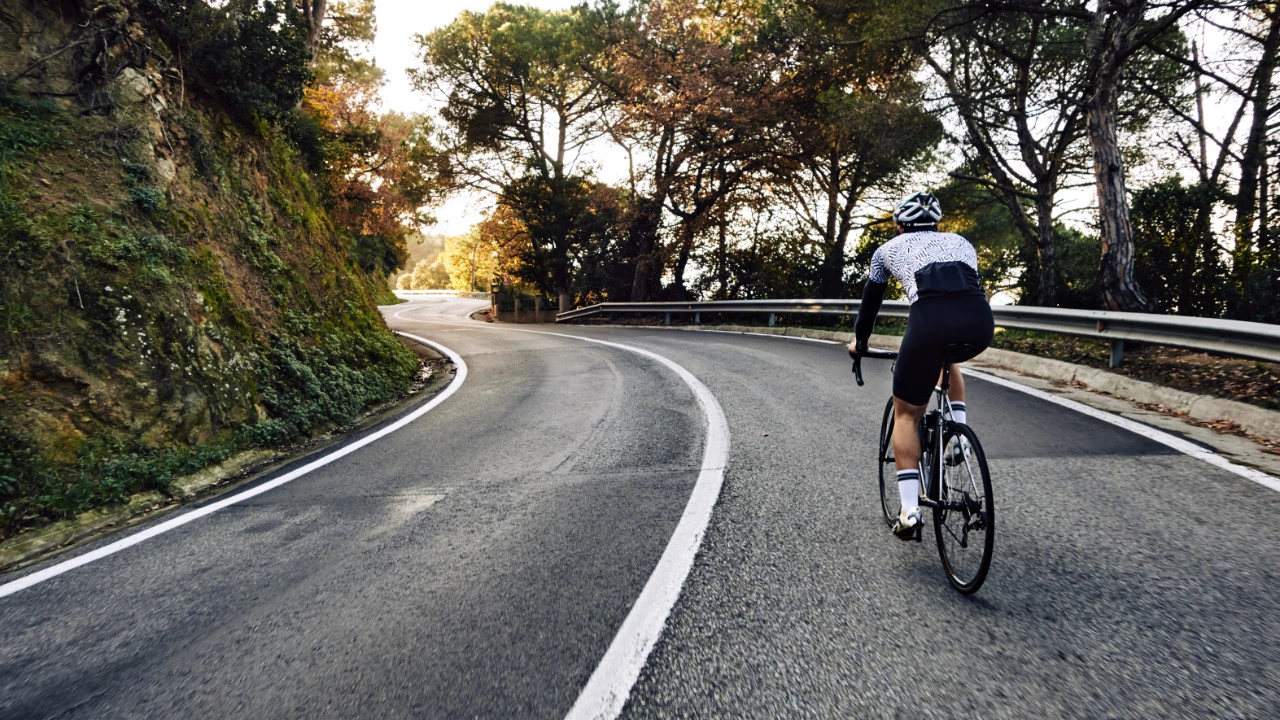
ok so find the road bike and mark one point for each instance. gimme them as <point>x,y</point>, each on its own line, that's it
<point>954,481</point>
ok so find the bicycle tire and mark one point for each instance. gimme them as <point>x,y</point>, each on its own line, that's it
<point>890,501</point>
<point>965,508</point>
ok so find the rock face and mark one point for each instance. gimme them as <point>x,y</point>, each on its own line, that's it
<point>170,275</point>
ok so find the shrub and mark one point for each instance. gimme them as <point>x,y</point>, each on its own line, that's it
<point>251,53</point>
<point>147,199</point>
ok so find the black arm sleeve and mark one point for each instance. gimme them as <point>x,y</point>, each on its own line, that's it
<point>872,296</point>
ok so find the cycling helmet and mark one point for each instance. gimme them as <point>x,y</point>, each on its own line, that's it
<point>922,208</point>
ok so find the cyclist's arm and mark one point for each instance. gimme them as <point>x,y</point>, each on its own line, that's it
<point>872,296</point>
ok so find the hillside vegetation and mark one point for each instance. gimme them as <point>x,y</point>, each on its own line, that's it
<point>173,285</point>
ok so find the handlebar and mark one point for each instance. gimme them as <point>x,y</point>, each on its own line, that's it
<point>870,353</point>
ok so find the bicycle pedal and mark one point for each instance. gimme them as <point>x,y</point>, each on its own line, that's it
<point>915,535</point>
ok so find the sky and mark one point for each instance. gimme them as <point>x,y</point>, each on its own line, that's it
<point>396,52</point>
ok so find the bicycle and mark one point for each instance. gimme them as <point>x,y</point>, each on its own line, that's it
<point>957,488</point>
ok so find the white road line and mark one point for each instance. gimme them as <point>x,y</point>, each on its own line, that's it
<point>115,547</point>
<point>1160,436</point>
<point>609,686</point>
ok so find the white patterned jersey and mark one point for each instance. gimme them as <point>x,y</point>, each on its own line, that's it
<point>908,253</point>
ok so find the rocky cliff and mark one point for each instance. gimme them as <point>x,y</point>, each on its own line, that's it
<point>171,287</point>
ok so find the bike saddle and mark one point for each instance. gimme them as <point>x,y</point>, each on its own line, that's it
<point>960,352</point>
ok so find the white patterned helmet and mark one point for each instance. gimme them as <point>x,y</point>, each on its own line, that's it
<point>922,208</point>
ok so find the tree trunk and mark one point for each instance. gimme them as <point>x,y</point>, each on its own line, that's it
<point>1107,44</point>
<point>1047,252</point>
<point>1251,160</point>
<point>831,273</point>
<point>722,260</point>
<point>1119,289</point>
<point>314,12</point>
<point>644,234</point>
<point>687,232</point>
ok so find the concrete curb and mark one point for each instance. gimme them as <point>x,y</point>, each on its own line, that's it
<point>38,543</point>
<point>1252,419</point>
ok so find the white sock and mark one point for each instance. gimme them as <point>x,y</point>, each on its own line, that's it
<point>909,489</point>
<point>957,411</point>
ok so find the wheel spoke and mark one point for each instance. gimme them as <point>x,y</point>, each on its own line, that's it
<point>964,522</point>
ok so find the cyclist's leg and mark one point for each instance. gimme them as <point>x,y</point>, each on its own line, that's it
<point>919,359</point>
<point>906,436</point>
<point>906,456</point>
<point>955,393</point>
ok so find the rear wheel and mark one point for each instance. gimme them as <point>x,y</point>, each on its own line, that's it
<point>890,502</point>
<point>964,519</point>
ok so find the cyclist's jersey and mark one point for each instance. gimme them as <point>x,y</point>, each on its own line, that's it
<point>907,254</point>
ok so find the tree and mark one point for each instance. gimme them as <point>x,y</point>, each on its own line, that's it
<point>253,54</point>
<point>560,224</point>
<point>425,275</point>
<point>469,261</point>
<point>851,141</point>
<point>1013,80</point>
<point>858,124</point>
<point>699,92</point>
<point>1012,73</point>
<point>1178,259</point>
<point>1235,164</point>
<point>523,103</point>
<point>381,168</point>
<point>1116,33</point>
<point>344,38</point>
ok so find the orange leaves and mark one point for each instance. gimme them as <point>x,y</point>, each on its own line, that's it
<point>373,161</point>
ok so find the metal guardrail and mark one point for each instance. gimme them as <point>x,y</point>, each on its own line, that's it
<point>1257,341</point>
<point>406,294</point>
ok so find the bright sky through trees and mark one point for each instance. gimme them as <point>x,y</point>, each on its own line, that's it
<point>394,50</point>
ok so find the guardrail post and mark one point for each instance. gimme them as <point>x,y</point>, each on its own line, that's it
<point>1117,353</point>
<point>697,318</point>
<point>667,320</point>
<point>772,319</point>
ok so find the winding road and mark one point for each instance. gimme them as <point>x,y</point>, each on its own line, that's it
<point>481,559</point>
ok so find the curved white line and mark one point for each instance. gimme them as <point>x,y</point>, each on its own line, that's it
<point>1167,439</point>
<point>412,306</point>
<point>609,686</point>
<point>1160,436</point>
<point>115,547</point>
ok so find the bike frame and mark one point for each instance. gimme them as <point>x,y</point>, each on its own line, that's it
<point>932,431</point>
<point>933,426</point>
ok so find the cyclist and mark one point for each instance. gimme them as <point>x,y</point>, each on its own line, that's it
<point>939,272</point>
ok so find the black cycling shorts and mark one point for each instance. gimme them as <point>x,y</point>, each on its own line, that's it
<point>934,323</point>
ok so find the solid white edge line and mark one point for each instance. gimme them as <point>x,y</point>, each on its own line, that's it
<point>610,685</point>
<point>115,547</point>
<point>1160,436</point>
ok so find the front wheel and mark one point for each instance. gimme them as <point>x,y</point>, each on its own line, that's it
<point>964,519</point>
<point>890,500</point>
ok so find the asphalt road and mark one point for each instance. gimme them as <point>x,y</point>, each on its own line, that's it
<point>478,562</point>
